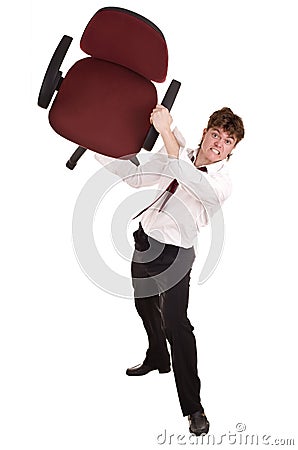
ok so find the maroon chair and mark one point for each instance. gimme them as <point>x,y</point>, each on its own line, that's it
<point>105,100</point>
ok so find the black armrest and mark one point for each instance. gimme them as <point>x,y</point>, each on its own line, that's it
<point>53,76</point>
<point>167,101</point>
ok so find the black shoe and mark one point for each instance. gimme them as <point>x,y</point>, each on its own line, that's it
<point>143,369</point>
<point>198,423</point>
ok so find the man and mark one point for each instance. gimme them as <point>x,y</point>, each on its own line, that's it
<point>164,243</point>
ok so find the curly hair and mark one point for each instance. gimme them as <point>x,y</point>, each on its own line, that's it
<point>231,123</point>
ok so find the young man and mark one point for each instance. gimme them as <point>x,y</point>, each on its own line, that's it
<point>193,186</point>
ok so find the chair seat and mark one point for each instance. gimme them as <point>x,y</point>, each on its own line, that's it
<point>104,107</point>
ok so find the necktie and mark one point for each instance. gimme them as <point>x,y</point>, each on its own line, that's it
<point>169,191</point>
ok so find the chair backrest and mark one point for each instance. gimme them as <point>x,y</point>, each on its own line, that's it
<point>129,39</point>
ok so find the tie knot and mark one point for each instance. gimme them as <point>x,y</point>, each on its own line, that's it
<point>202,168</point>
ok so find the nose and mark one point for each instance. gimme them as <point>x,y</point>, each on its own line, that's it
<point>219,143</point>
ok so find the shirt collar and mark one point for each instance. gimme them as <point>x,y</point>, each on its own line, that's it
<point>211,168</point>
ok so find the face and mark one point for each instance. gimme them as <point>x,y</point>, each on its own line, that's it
<point>217,145</point>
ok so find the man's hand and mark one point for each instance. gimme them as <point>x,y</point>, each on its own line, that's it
<point>161,119</point>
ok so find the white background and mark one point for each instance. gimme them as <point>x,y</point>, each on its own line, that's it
<point>65,344</point>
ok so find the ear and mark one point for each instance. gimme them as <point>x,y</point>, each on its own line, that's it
<point>202,138</point>
<point>204,133</point>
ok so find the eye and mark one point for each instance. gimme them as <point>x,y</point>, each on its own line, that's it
<point>228,142</point>
<point>214,134</point>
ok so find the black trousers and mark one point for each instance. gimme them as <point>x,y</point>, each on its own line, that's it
<point>160,277</point>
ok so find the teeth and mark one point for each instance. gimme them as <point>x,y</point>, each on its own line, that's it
<point>215,151</point>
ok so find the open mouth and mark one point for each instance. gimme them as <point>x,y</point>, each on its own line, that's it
<point>217,152</point>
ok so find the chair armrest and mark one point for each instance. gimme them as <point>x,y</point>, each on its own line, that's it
<point>53,75</point>
<point>168,102</point>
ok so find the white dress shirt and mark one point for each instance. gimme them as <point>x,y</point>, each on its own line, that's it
<point>197,197</point>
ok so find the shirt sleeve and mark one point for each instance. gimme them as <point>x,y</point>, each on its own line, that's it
<point>211,190</point>
<point>149,172</point>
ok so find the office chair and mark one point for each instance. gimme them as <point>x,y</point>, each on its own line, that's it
<point>104,101</point>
